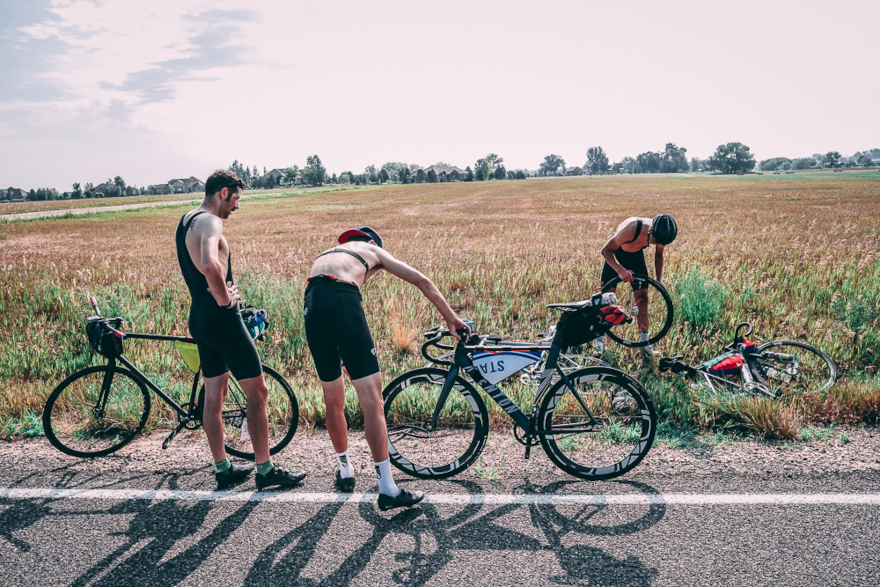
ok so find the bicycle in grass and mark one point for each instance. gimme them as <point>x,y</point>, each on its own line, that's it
<point>593,422</point>
<point>774,369</point>
<point>100,409</point>
<point>657,309</point>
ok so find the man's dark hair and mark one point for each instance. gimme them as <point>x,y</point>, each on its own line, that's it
<point>222,178</point>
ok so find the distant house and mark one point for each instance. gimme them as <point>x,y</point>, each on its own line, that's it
<point>2,193</point>
<point>276,174</point>
<point>187,185</point>
<point>617,168</point>
<point>447,172</point>
<point>574,171</point>
<point>160,188</point>
<point>16,194</point>
<point>100,191</point>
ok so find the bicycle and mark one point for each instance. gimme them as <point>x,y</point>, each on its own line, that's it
<point>777,368</point>
<point>594,422</point>
<point>100,409</point>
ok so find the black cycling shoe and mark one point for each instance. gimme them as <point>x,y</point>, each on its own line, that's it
<point>344,484</point>
<point>280,478</point>
<point>405,499</point>
<point>234,475</point>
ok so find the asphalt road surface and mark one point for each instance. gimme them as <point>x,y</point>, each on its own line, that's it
<point>149,517</point>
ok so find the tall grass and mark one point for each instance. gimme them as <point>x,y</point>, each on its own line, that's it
<point>782,256</point>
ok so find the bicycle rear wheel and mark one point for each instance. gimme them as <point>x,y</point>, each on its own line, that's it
<point>608,438</point>
<point>789,367</point>
<point>458,437</point>
<point>655,317</point>
<point>96,411</point>
<point>281,408</point>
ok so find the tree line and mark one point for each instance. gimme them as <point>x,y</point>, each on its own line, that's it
<point>728,158</point>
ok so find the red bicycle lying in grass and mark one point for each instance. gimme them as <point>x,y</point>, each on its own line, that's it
<point>777,368</point>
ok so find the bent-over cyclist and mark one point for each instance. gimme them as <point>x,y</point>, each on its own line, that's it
<point>624,255</point>
<point>337,334</point>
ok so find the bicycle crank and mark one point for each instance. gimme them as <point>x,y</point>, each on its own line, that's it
<point>174,433</point>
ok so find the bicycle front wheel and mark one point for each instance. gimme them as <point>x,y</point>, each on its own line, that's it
<point>450,446</point>
<point>789,367</point>
<point>648,302</point>
<point>599,429</point>
<point>281,409</point>
<point>96,411</point>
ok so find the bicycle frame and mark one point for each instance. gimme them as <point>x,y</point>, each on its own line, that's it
<point>140,375</point>
<point>463,361</point>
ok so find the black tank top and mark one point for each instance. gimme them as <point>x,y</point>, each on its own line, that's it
<point>195,279</point>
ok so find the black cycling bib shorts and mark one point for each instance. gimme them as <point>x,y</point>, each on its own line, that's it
<point>224,343</point>
<point>336,329</point>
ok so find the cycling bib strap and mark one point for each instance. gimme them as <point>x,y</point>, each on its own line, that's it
<point>638,232</point>
<point>352,253</point>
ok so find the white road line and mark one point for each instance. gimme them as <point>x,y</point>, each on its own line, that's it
<point>692,499</point>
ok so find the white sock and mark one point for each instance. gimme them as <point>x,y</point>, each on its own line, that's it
<point>600,344</point>
<point>386,482</point>
<point>346,471</point>
<point>643,337</point>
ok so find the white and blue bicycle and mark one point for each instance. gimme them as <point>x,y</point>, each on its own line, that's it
<point>593,422</point>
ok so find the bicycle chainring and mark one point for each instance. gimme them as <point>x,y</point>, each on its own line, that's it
<point>192,423</point>
<point>523,437</point>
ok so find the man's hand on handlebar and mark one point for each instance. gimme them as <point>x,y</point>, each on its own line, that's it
<point>455,325</point>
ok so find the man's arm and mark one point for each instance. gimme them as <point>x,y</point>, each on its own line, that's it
<point>209,232</point>
<point>426,286</point>
<point>622,236</point>
<point>658,262</point>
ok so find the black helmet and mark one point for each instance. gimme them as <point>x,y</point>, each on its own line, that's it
<point>664,229</point>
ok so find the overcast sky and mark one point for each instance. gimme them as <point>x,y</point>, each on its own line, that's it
<point>160,89</point>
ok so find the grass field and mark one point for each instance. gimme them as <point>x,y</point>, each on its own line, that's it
<point>797,256</point>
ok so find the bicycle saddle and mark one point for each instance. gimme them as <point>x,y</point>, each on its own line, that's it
<point>572,305</point>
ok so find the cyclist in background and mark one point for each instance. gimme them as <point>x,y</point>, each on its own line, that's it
<point>219,331</point>
<point>337,333</point>
<point>624,255</point>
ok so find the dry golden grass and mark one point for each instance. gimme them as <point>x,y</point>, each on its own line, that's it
<point>499,251</point>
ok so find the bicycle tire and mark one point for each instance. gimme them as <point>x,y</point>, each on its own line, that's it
<point>282,411</point>
<point>461,431</point>
<point>628,334</point>
<point>813,370</point>
<point>618,402</point>
<point>75,425</point>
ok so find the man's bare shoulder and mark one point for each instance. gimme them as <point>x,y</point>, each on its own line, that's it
<point>206,225</point>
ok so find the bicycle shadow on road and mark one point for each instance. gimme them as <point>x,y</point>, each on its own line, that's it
<point>436,537</point>
<point>20,514</point>
<point>162,524</point>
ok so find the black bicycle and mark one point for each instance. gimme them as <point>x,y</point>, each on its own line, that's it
<point>100,409</point>
<point>593,423</point>
<point>776,368</point>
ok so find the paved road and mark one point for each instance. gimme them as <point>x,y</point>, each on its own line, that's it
<point>109,522</point>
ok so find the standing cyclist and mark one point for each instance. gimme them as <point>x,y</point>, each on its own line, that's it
<point>337,332</point>
<point>219,331</point>
<point>624,255</point>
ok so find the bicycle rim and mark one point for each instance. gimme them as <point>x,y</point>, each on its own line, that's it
<point>458,437</point>
<point>281,408</point>
<point>656,315</point>
<point>792,368</point>
<point>611,442</point>
<point>81,420</point>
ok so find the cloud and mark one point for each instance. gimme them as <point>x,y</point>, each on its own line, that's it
<point>25,58</point>
<point>210,46</point>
